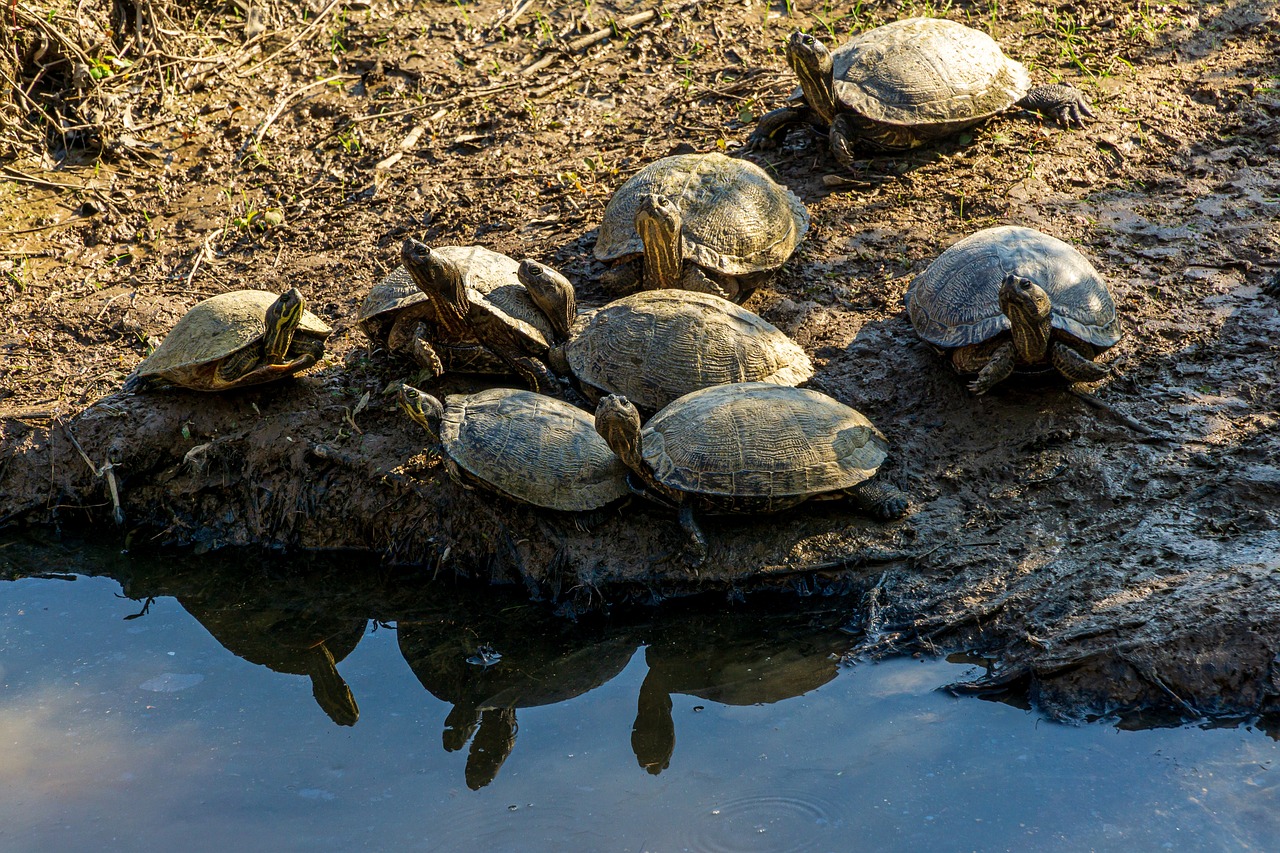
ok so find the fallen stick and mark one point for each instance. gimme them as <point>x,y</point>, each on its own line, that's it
<point>583,42</point>
<point>1103,406</point>
<point>107,471</point>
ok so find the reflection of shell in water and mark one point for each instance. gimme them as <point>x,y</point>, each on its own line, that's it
<point>774,822</point>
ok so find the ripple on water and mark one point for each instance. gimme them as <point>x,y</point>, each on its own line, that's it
<point>481,823</point>
<point>773,822</point>
<point>171,682</point>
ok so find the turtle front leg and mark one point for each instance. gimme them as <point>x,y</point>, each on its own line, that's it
<point>1066,104</point>
<point>263,373</point>
<point>424,354</point>
<point>329,689</point>
<point>1074,365</point>
<point>696,279</point>
<point>535,373</point>
<point>878,499</point>
<point>772,126</point>
<point>239,365</point>
<point>841,137</point>
<point>622,279</point>
<point>697,539</point>
<point>998,368</point>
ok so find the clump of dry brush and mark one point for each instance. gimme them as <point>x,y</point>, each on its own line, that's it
<point>91,76</point>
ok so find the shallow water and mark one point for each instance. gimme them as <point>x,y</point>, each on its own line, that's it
<point>177,702</point>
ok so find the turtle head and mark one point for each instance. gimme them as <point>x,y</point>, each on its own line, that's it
<point>558,360</point>
<point>618,422</point>
<point>811,61</point>
<point>425,410</point>
<point>437,276</point>
<point>551,292</point>
<point>658,222</point>
<point>1028,308</point>
<point>282,319</point>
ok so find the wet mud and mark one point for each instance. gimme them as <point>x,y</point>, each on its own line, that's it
<point>1105,548</point>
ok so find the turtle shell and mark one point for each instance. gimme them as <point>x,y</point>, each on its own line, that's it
<point>532,448</point>
<point>657,345</point>
<point>737,220</point>
<point>217,328</point>
<point>919,72</point>
<point>396,292</point>
<point>760,440</point>
<point>955,302</point>
<point>490,275</point>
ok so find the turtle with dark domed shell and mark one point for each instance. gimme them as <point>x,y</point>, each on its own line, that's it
<point>1015,299</point>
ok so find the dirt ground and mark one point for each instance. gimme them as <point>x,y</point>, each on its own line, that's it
<point>1114,550</point>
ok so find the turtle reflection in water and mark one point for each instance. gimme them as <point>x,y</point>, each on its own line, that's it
<point>747,660</point>
<point>488,661</point>
<point>284,638</point>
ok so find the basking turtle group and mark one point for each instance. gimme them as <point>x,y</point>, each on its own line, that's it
<point>685,239</point>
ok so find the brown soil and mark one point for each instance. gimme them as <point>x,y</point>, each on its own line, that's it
<point>1118,549</point>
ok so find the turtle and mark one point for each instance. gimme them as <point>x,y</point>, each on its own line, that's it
<point>529,447</point>
<point>232,340</point>
<point>657,345</point>
<point>1009,298</point>
<point>750,447</point>
<point>487,328</point>
<point>703,222</point>
<point>908,83</point>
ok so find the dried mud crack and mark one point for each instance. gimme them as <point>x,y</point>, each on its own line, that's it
<point>1111,549</point>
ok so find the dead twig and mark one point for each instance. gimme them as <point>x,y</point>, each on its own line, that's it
<point>583,42</point>
<point>298,38</point>
<point>543,91</point>
<point>1103,406</point>
<point>280,106</point>
<point>107,471</point>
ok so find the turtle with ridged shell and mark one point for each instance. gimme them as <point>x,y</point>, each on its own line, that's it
<point>750,447</point>
<point>233,340</point>
<point>529,447</point>
<point>702,222</point>
<point>657,345</point>
<point>405,310</point>
<point>908,83</point>
<point>1014,298</point>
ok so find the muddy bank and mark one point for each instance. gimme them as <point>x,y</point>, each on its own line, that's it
<point>1099,569</point>
<point>1105,552</point>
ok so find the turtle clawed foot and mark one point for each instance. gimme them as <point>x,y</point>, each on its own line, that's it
<point>979,387</point>
<point>892,507</point>
<point>760,142</point>
<point>697,539</point>
<point>881,500</point>
<point>1066,104</point>
<point>1074,113</point>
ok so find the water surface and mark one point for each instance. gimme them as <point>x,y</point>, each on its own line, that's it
<point>233,702</point>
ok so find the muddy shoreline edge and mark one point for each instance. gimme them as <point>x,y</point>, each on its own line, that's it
<point>1078,637</point>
